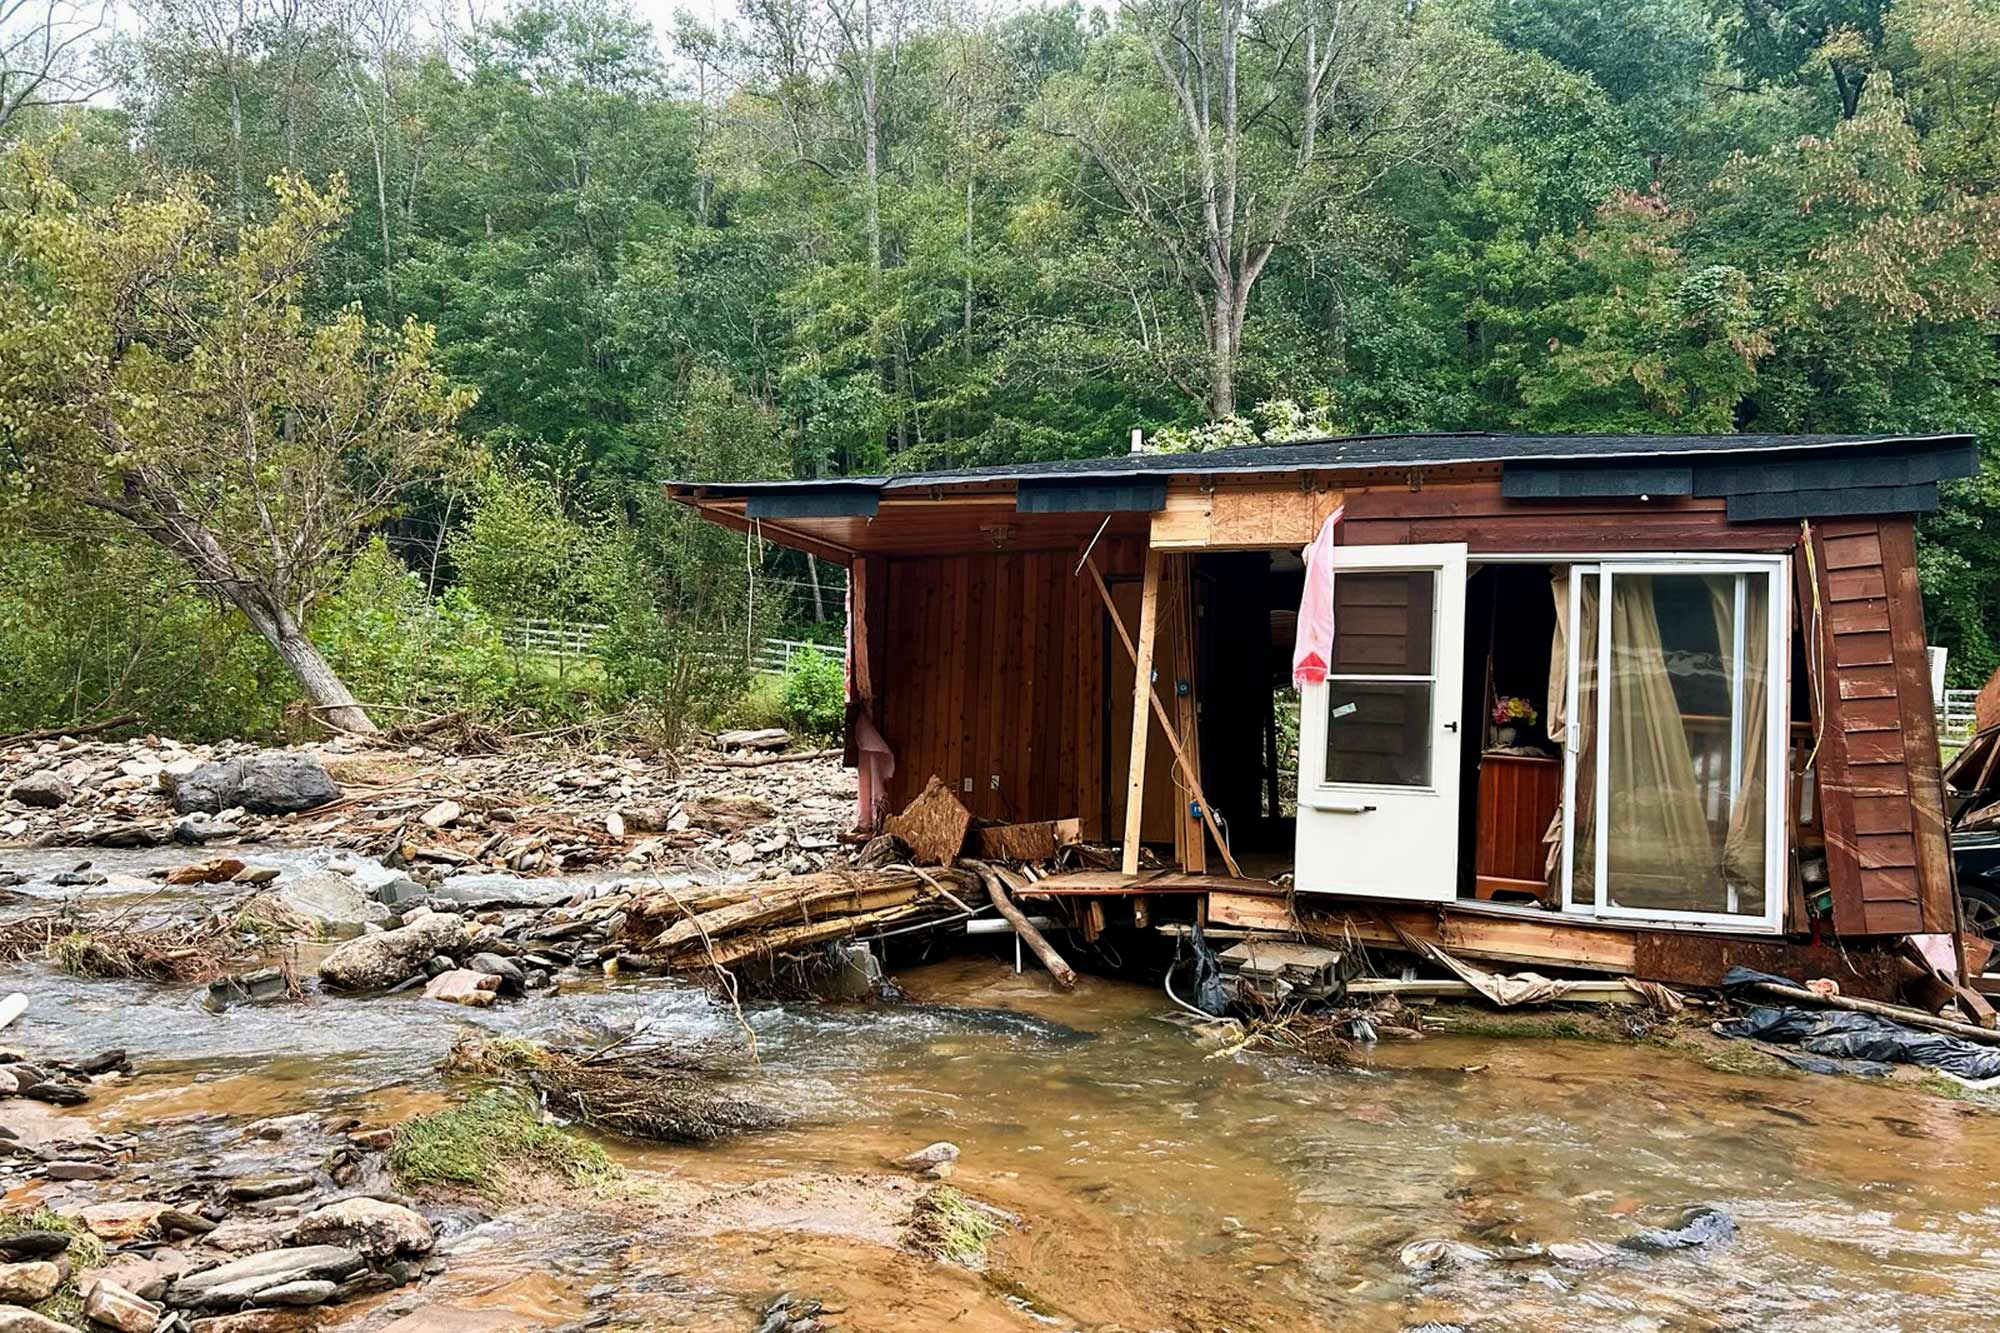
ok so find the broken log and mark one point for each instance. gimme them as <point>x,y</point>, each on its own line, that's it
<point>667,922</point>
<point>764,943</point>
<point>765,760</point>
<point>996,889</point>
<point>761,738</point>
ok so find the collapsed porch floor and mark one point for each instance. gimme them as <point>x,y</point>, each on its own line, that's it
<point>1495,932</point>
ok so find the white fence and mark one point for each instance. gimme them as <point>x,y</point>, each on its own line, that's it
<point>578,638</point>
<point>552,638</point>
<point>1955,716</point>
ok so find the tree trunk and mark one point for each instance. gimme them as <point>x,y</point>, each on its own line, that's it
<point>812,573</point>
<point>236,148</point>
<point>158,513</point>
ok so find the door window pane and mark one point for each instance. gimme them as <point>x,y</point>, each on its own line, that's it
<point>1382,622</point>
<point>1684,744</point>
<point>1378,731</point>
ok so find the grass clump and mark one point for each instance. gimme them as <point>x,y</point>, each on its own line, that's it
<point>946,1225</point>
<point>490,1139</point>
<point>65,1303</point>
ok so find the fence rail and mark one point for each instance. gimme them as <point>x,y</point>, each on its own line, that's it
<point>1955,715</point>
<point>579,638</point>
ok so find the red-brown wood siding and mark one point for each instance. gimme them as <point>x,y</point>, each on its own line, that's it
<point>1880,795</point>
<point>994,666</point>
<point>1486,521</point>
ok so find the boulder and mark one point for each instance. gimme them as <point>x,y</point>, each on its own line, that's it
<point>43,791</point>
<point>374,962</point>
<point>241,1282</point>
<point>502,890</point>
<point>15,1319</point>
<point>107,1303</point>
<point>26,1283</point>
<point>34,1244</point>
<point>330,901</point>
<point>463,986</point>
<point>375,1227</point>
<point>276,782</point>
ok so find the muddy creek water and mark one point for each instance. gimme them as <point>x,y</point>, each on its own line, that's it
<point>1156,1187</point>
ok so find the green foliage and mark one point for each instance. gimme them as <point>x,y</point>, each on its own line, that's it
<point>814,693</point>
<point>1647,215</point>
<point>398,646</point>
<point>492,1140</point>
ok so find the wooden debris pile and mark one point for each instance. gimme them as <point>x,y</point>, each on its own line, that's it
<point>725,924</point>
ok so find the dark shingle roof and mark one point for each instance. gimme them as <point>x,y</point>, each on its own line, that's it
<point>1357,452</point>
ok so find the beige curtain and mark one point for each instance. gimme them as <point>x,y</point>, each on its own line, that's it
<point>1743,846</point>
<point>1583,884</point>
<point>1661,853</point>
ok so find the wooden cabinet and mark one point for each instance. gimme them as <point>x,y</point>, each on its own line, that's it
<point>1518,796</point>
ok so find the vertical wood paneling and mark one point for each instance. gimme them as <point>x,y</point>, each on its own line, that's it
<point>991,669</point>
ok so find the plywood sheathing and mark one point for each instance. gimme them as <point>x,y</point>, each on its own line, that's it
<point>933,826</point>
<point>1242,517</point>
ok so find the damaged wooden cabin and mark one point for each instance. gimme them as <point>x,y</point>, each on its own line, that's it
<point>1627,704</point>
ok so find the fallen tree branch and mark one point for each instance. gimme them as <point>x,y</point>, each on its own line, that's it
<point>763,760</point>
<point>996,889</point>
<point>57,733</point>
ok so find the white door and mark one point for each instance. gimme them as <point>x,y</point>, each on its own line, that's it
<point>1379,741</point>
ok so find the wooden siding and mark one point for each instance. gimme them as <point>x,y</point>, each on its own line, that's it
<point>1478,515</point>
<point>1880,795</point>
<point>994,666</point>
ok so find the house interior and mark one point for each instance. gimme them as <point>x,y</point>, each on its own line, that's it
<point>1458,683</point>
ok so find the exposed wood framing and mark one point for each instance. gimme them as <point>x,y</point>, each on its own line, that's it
<point>1173,740</point>
<point>1142,690</point>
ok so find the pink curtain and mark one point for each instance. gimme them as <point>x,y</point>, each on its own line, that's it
<point>1312,649</point>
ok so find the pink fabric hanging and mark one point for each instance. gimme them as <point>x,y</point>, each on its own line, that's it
<point>877,763</point>
<point>1312,649</point>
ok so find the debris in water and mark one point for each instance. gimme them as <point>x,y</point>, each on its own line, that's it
<point>1699,1228</point>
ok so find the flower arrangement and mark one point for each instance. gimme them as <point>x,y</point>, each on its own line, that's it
<point>1513,710</point>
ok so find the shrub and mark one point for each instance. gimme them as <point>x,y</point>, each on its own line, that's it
<point>814,693</point>
<point>490,1140</point>
<point>396,645</point>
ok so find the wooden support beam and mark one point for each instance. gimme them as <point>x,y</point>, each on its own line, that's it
<point>1142,690</point>
<point>1166,726</point>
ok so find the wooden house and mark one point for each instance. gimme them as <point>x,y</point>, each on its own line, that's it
<point>1633,703</point>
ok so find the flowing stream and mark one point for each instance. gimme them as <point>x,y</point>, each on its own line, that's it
<point>1156,1187</point>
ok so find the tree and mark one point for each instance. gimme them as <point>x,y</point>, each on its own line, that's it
<point>153,370</point>
<point>42,55</point>
<point>1218,126</point>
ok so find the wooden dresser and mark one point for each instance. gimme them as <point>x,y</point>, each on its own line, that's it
<point>1518,796</point>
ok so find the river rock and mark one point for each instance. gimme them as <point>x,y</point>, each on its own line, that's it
<point>512,979</point>
<point>1426,1255</point>
<point>728,814</point>
<point>124,1219</point>
<point>145,1276</point>
<point>937,1154</point>
<point>276,782</point>
<point>243,1281</point>
<point>247,1235</point>
<point>375,962</point>
<point>43,791</point>
<point>15,1319</point>
<point>310,1291</point>
<point>26,1283</point>
<point>331,901</point>
<point>34,1244</point>
<point>107,1303</point>
<point>253,1321</point>
<point>268,1187</point>
<point>501,890</point>
<point>450,1319</point>
<point>463,986</point>
<point>378,1229</point>
<point>1699,1227</point>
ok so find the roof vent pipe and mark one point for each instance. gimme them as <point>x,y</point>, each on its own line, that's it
<point>1138,440</point>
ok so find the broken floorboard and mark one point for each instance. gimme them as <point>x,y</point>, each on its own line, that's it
<point>1534,937</point>
<point>1111,883</point>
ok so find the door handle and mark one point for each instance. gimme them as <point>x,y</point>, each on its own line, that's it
<point>1451,726</point>
<point>1345,809</point>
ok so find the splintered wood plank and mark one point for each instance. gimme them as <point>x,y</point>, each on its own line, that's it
<point>933,826</point>
<point>1038,841</point>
